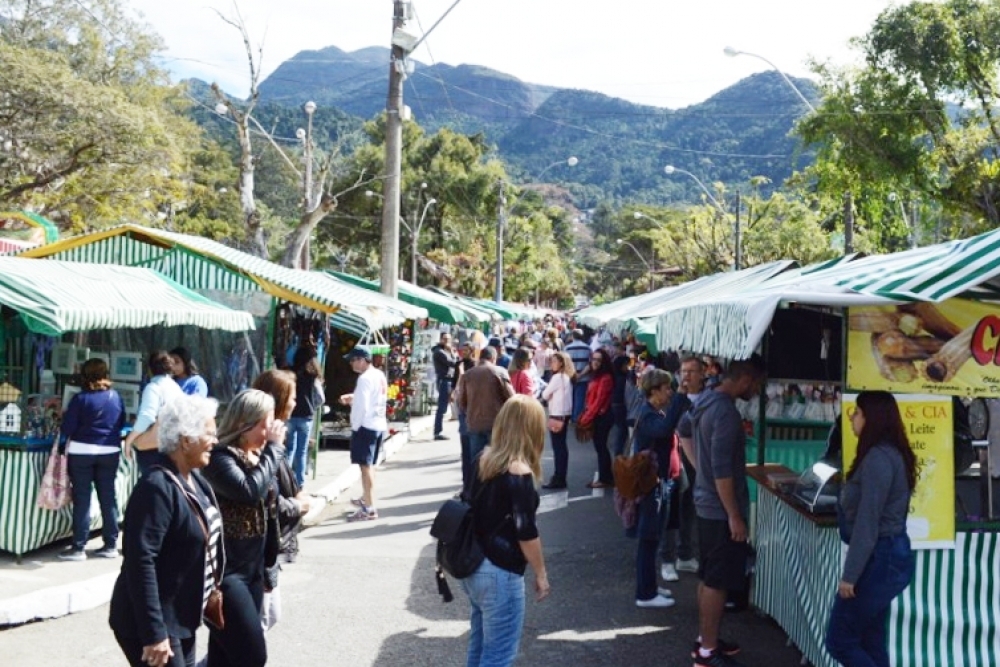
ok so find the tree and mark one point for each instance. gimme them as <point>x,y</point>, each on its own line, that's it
<point>920,117</point>
<point>90,133</point>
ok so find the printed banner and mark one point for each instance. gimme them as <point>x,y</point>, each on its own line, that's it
<point>950,348</point>
<point>928,421</point>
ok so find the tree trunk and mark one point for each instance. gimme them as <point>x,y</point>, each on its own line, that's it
<point>292,256</point>
<point>255,243</point>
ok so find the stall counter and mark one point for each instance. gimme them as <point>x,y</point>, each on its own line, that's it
<point>24,526</point>
<point>947,617</point>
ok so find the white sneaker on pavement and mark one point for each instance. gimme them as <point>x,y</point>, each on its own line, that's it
<point>658,602</point>
<point>668,572</point>
<point>665,592</point>
<point>689,565</point>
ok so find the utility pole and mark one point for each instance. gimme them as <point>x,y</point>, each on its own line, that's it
<point>307,177</point>
<point>848,223</point>
<point>389,274</point>
<point>501,230</point>
<point>737,238</point>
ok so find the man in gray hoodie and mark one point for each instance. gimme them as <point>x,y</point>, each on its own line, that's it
<point>722,502</point>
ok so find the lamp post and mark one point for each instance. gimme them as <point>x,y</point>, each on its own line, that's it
<point>737,243</point>
<point>414,237</point>
<point>649,267</point>
<point>732,53</point>
<point>571,161</point>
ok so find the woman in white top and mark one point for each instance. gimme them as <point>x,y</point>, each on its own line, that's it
<point>159,391</point>
<point>559,396</point>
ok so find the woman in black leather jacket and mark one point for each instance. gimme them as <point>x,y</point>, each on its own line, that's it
<point>243,474</point>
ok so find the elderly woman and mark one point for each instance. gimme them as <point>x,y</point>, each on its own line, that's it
<point>92,433</point>
<point>243,472</point>
<point>172,547</point>
<point>654,431</point>
<point>160,391</point>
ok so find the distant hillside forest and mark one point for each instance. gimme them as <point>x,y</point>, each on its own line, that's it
<point>740,133</point>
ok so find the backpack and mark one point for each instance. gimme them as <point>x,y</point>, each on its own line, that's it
<point>458,551</point>
<point>637,475</point>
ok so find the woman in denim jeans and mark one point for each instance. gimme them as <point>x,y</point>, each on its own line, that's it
<point>874,504</point>
<point>309,399</point>
<point>504,503</point>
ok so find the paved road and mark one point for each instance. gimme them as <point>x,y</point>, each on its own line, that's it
<point>364,594</point>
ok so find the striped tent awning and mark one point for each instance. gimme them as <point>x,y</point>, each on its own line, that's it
<point>56,297</point>
<point>439,307</point>
<point>204,264</point>
<point>732,326</point>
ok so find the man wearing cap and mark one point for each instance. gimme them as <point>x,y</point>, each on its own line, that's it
<point>368,426</point>
<point>500,354</point>
<point>444,357</point>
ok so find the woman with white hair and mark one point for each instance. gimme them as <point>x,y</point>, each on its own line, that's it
<point>172,548</point>
<point>243,472</point>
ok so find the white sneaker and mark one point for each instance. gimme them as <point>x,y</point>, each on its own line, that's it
<point>658,602</point>
<point>665,592</point>
<point>689,565</point>
<point>668,572</point>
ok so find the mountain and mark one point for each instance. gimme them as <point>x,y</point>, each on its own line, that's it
<point>622,147</point>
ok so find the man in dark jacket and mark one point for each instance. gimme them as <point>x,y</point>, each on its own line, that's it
<point>444,357</point>
<point>722,503</point>
<point>481,393</point>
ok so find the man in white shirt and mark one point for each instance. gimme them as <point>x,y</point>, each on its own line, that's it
<point>368,426</point>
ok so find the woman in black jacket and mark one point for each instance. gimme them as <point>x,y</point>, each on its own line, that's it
<point>167,572</point>
<point>243,473</point>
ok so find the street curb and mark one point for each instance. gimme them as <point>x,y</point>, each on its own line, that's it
<point>57,601</point>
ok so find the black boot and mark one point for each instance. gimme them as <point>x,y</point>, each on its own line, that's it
<point>555,483</point>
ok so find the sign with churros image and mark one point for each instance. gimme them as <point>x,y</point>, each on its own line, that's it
<point>950,348</point>
<point>928,420</point>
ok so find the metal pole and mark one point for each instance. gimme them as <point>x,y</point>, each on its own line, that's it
<point>389,273</point>
<point>501,230</point>
<point>737,238</point>
<point>848,223</point>
<point>307,184</point>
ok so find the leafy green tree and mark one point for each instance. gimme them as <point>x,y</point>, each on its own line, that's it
<point>919,118</point>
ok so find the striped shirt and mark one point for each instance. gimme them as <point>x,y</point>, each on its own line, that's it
<point>214,518</point>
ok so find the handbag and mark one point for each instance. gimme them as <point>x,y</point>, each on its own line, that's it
<point>557,424</point>
<point>213,606</point>
<point>54,492</point>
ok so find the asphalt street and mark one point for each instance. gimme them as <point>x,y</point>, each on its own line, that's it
<point>364,594</point>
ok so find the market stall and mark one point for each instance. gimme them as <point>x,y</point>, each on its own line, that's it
<point>290,306</point>
<point>888,307</point>
<point>54,316</point>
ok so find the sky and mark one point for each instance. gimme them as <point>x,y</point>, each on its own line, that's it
<point>666,53</point>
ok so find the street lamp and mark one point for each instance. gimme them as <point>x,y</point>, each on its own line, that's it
<point>414,237</point>
<point>305,136</point>
<point>571,161</point>
<point>637,253</point>
<point>732,53</point>
<point>737,244</point>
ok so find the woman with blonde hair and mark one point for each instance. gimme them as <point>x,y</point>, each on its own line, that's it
<point>558,394</point>
<point>504,502</point>
<point>243,473</point>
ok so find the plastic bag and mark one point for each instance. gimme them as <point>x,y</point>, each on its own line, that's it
<point>54,493</point>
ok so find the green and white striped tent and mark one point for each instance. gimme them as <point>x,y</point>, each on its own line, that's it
<point>439,307</point>
<point>55,297</point>
<point>206,265</point>
<point>733,325</point>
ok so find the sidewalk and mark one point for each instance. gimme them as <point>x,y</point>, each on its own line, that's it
<point>44,587</point>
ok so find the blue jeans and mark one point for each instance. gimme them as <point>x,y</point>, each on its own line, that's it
<point>653,512</point>
<point>497,599</point>
<point>87,471</point>
<point>560,452</point>
<point>579,397</point>
<point>858,632</point>
<point>477,442</point>
<point>297,445</point>
<point>444,396</point>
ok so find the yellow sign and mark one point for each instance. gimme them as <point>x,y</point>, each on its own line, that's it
<point>950,348</point>
<point>928,421</point>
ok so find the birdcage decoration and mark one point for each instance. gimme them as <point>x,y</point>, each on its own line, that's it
<point>374,342</point>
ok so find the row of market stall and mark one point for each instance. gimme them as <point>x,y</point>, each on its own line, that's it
<point>923,324</point>
<point>122,292</point>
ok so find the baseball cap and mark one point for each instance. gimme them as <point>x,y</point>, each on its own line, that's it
<point>495,342</point>
<point>358,353</point>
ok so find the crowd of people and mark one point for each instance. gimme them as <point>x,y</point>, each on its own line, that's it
<point>218,508</point>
